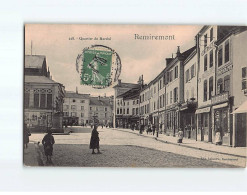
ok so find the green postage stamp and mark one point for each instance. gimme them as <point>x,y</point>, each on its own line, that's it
<point>100,66</point>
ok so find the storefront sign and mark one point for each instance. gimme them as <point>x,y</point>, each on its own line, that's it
<point>211,46</point>
<point>203,110</point>
<point>224,97</point>
<point>224,69</point>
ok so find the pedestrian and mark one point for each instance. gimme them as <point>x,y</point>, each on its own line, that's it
<point>153,129</point>
<point>94,141</point>
<point>180,136</point>
<point>26,135</point>
<point>48,142</point>
<point>218,138</point>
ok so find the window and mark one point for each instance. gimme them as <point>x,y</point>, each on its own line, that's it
<point>73,113</point>
<point>205,62</point>
<point>176,72</point>
<point>163,100</point>
<point>220,57</point>
<point>160,104</point>
<point>205,91</point>
<point>82,101</point>
<point>170,97</point>
<point>73,107</point>
<point>49,101</point>
<point>133,111</point>
<point>175,95</point>
<point>137,102</point>
<point>90,108</point>
<point>227,83</point>
<point>36,100</point>
<point>167,97</point>
<point>187,73</point>
<point>73,100</point>
<point>211,87</point>
<point>82,107</point>
<point>105,109</point>
<point>127,110</point>
<point>211,34</point>
<point>205,40</point>
<point>171,75</point>
<point>120,110</point>
<point>154,105</point>
<point>164,80</point>
<point>42,100</point>
<point>192,71</point>
<point>123,111</point>
<point>168,77</point>
<point>127,103</point>
<point>219,86</point>
<point>227,51</point>
<point>136,110</point>
<point>244,78</point>
<point>82,114</point>
<point>134,102</point>
<point>211,61</point>
<point>26,99</point>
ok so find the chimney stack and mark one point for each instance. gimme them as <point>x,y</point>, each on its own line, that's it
<point>178,51</point>
<point>99,97</point>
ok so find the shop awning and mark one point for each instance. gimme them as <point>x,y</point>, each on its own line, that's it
<point>220,106</point>
<point>241,109</point>
<point>203,110</point>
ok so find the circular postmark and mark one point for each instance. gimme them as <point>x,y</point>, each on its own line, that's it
<point>100,66</point>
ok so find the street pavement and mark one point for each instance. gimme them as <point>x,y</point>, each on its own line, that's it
<point>127,149</point>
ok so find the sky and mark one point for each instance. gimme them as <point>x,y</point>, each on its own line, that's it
<point>138,57</point>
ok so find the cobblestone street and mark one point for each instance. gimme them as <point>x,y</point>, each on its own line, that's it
<point>125,149</point>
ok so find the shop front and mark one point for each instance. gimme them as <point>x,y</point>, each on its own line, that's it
<point>171,122</point>
<point>204,130</point>
<point>221,117</point>
<point>187,117</point>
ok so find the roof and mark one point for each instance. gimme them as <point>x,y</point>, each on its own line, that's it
<point>102,101</point>
<point>34,61</point>
<point>241,109</point>
<point>126,85</point>
<point>70,94</point>
<point>39,79</point>
<point>131,94</point>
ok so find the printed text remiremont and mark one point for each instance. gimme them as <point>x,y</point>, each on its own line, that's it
<point>154,37</point>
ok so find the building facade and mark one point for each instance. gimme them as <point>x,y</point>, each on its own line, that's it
<point>201,91</point>
<point>76,108</point>
<point>101,110</point>
<point>43,97</point>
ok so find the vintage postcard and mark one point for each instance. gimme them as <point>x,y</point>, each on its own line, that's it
<point>135,96</point>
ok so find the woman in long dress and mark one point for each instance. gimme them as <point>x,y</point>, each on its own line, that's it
<point>94,141</point>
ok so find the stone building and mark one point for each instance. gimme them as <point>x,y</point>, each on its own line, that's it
<point>76,108</point>
<point>101,110</point>
<point>43,97</point>
<point>118,104</point>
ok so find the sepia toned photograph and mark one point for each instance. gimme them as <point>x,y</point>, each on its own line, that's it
<point>136,96</point>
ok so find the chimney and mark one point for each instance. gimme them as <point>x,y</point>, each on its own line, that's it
<point>76,90</point>
<point>119,81</point>
<point>178,51</point>
<point>99,97</point>
<point>104,95</point>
